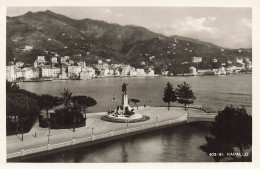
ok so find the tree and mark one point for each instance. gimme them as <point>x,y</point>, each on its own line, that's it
<point>218,150</point>
<point>184,94</point>
<point>85,102</point>
<point>23,107</point>
<point>233,129</point>
<point>135,101</point>
<point>11,87</point>
<point>46,103</point>
<point>66,98</point>
<point>169,95</point>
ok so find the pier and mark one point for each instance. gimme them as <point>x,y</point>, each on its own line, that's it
<point>98,131</point>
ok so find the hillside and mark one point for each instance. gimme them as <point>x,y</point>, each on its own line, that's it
<point>49,33</point>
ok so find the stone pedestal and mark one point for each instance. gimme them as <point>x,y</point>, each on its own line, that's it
<point>124,102</point>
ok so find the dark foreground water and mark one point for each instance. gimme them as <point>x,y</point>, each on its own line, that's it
<point>175,144</point>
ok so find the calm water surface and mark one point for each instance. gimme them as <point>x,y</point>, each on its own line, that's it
<point>176,144</point>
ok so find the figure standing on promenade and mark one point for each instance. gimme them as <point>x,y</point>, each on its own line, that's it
<point>124,88</point>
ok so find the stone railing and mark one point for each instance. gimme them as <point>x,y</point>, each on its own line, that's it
<point>92,138</point>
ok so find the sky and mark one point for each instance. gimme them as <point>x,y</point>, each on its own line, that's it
<point>227,27</point>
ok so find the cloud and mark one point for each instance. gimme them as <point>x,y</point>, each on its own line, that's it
<point>246,22</point>
<point>107,11</point>
<point>196,25</point>
<point>119,15</point>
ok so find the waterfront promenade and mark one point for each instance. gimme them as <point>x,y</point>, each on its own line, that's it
<point>95,127</point>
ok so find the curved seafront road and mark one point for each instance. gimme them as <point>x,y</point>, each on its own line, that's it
<point>14,143</point>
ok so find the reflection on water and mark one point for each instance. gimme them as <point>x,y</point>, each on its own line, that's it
<point>175,144</point>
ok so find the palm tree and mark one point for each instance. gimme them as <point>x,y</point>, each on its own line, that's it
<point>66,98</point>
<point>169,95</point>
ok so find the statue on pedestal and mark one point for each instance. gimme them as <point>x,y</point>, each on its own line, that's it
<point>124,88</point>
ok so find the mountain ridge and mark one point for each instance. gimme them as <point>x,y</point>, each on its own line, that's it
<point>95,39</point>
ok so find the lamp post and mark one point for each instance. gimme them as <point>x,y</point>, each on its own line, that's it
<point>92,130</point>
<point>113,100</point>
<point>156,121</point>
<point>150,102</point>
<point>48,134</point>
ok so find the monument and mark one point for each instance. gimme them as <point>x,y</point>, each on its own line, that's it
<point>124,113</point>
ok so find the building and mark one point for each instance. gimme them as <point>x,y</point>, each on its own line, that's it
<point>74,71</point>
<point>99,61</point>
<point>63,60</point>
<point>40,59</point>
<point>10,73</point>
<point>71,62</point>
<point>108,60</point>
<point>239,60</point>
<point>140,72</point>
<point>150,72</point>
<point>196,59</point>
<point>27,73</point>
<point>192,71</point>
<point>82,64</point>
<point>49,72</point>
<point>66,58</point>
<point>214,60</point>
<point>54,60</point>
<point>19,64</point>
<point>27,48</point>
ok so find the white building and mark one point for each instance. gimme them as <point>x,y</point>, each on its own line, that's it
<point>239,60</point>
<point>192,71</point>
<point>10,73</point>
<point>54,60</point>
<point>196,59</point>
<point>40,59</point>
<point>19,64</point>
<point>27,73</point>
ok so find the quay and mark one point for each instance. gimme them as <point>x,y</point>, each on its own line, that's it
<point>98,131</point>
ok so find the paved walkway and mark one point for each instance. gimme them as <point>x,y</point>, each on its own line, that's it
<point>14,143</point>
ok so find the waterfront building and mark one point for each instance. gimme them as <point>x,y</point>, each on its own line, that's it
<point>104,72</point>
<point>150,72</point>
<point>133,72</point>
<point>222,71</point>
<point>10,73</point>
<point>140,72</point>
<point>192,71</point>
<point>27,73</point>
<point>18,74</point>
<point>35,73</point>
<point>40,59</point>
<point>74,71</point>
<point>50,72</point>
<point>19,64</point>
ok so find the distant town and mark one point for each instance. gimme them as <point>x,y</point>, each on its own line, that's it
<point>64,68</point>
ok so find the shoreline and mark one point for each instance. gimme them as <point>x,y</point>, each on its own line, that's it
<point>44,80</point>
